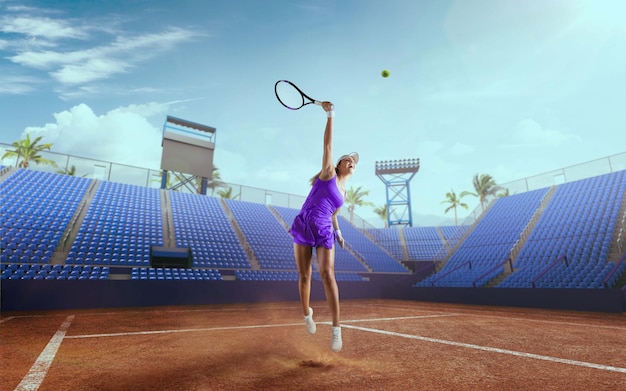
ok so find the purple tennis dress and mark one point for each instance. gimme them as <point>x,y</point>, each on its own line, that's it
<point>313,226</point>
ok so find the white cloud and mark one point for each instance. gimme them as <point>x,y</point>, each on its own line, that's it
<point>100,62</point>
<point>93,69</point>
<point>40,27</point>
<point>530,132</point>
<point>461,149</point>
<point>16,85</point>
<point>122,135</point>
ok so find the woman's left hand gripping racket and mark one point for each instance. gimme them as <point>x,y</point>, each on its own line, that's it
<point>290,96</point>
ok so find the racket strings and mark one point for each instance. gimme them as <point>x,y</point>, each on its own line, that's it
<point>288,95</point>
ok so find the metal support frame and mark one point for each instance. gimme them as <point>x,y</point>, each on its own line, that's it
<point>396,174</point>
<point>186,180</point>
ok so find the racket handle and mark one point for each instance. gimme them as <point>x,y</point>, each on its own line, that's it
<point>317,102</point>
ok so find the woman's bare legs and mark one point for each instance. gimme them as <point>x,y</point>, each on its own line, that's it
<point>326,263</point>
<point>303,256</point>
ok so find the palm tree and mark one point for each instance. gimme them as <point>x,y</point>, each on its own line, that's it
<point>227,193</point>
<point>216,180</point>
<point>382,212</point>
<point>354,198</point>
<point>71,171</point>
<point>29,151</point>
<point>485,186</point>
<point>504,193</point>
<point>454,201</point>
<point>168,181</point>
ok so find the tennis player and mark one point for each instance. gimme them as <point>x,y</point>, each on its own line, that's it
<point>316,226</point>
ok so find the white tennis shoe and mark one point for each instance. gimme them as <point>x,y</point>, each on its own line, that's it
<point>335,341</point>
<point>309,323</point>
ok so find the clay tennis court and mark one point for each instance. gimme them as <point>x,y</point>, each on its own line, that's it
<point>388,345</point>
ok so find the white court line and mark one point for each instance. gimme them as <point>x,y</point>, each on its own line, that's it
<point>481,315</point>
<point>182,331</point>
<point>599,326</point>
<point>396,318</point>
<point>348,326</point>
<point>237,327</point>
<point>493,350</point>
<point>6,319</point>
<point>38,371</point>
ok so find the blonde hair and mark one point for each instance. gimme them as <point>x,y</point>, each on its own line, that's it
<point>314,177</point>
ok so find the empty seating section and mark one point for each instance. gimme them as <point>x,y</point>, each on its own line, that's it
<point>37,207</point>
<point>423,243</point>
<point>490,243</point>
<point>53,272</point>
<point>579,223</point>
<point>389,239</point>
<point>374,256</point>
<point>123,221</point>
<point>201,223</point>
<point>280,275</point>
<point>121,224</point>
<point>453,233</point>
<point>266,275</point>
<point>287,214</point>
<point>269,240</point>
<point>174,273</point>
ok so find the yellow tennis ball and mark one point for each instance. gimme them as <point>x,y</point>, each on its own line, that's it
<point>385,73</point>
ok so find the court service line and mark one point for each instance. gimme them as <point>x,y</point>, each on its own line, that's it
<point>482,314</point>
<point>490,349</point>
<point>599,326</point>
<point>225,328</point>
<point>182,331</point>
<point>38,371</point>
<point>395,318</point>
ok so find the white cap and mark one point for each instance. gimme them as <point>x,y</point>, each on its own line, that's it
<point>353,155</point>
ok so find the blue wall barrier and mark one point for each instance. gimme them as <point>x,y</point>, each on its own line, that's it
<point>36,295</point>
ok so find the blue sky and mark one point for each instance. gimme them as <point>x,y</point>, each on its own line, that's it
<point>505,87</point>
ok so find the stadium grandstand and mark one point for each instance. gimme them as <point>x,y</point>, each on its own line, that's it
<point>72,242</point>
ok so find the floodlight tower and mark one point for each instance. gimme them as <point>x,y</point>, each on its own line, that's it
<point>187,149</point>
<point>396,174</point>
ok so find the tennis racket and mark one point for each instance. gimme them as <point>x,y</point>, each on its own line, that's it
<point>290,96</point>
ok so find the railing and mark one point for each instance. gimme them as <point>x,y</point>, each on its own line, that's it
<point>432,283</point>
<point>508,260</point>
<point>517,247</point>
<point>4,170</point>
<point>614,270</point>
<point>247,248</point>
<point>122,173</point>
<point>547,269</point>
<point>622,234</point>
<point>77,214</point>
<point>72,225</point>
<point>151,178</point>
